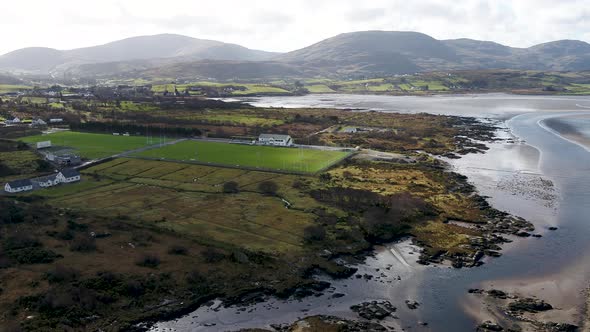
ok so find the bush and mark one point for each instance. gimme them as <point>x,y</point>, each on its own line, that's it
<point>268,187</point>
<point>231,187</point>
<point>34,255</point>
<point>148,261</point>
<point>20,241</point>
<point>314,233</point>
<point>177,250</point>
<point>212,255</point>
<point>61,273</point>
<point>83,244</point>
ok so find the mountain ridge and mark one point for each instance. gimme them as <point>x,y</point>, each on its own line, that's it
<point>369,53</point>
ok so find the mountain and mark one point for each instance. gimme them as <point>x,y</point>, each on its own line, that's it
<point>164,46</point>
<point>364,53</point>
<point>399,52</point>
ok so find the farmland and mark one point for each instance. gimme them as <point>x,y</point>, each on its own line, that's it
<point>189,199</point>
<point>264,157</point>
<point>93,146</point>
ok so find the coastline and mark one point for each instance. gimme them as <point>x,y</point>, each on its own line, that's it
<point>532,285</point>
<point>566,131</point>
<point>565,288</point>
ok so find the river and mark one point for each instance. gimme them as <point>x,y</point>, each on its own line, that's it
<point>514,174</point>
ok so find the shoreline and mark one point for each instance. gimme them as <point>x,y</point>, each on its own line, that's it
<point>566,289</point>
<point>565,131</point>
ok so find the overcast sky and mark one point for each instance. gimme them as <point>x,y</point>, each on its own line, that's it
<point>280,25</point>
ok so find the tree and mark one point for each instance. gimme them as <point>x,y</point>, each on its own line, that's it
<point>231,187</point>
<point>268,187</point>
<point>314,233</point>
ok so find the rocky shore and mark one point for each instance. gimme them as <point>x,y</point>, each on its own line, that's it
<point>518,313</point>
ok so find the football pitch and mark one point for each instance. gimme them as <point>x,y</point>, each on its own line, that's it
<point>251,156</point>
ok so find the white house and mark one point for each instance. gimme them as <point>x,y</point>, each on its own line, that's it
<point>43,144</point>
<point>58,120</point>
<point>276,140</point>
<point>46,181</point>
<point>68,175</point>
<point>38,123</point>
<point>13,121</point>
<point>18,186</point>
<point>350,130</point>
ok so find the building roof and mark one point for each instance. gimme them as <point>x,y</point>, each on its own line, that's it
<point>20,183</point>
<point>70,172</point>
<point>45,178</point>
<point>275,136</point>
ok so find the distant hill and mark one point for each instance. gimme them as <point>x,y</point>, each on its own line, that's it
<point>365,53</point>
<point>395,52</point>
<point>164,46</point>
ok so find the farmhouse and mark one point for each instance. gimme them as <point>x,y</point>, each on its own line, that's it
<point>13,121</point>
<point>18,186</point>
<point>38,123</point>
<point>68,175</point>
<point>276,140</point>
<point>45,181</point>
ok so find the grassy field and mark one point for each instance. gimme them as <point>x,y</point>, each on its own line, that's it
<point>189,199</point>
<point>319,88</point>
<point>264,157</point>
<point>94,146</point>
<point>4,88</point>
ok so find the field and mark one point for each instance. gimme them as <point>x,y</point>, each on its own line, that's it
<point>93,146</point>
<point>264,157</point>
<point>189,200</point>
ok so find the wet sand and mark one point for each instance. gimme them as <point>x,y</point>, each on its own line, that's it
<point>575,128</point>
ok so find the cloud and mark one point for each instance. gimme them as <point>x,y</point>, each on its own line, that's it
<point>288,25</point>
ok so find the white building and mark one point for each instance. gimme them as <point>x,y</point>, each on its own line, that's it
<point>43,144</point>
<point>18,186</point>
<point>276,140</point>
<point>56,120</point>
<point>46,181</point>
<point>38,123</point>
<point>68,175</point>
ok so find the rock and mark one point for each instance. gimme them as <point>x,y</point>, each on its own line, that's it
<point>338,295</point>
<point>552,228</point>
<point>523,234</point>
<point>475,291</point>
<point>497,294</point>
<point>529,305</point>
<point>489,326</point>
<point>412,304</point>
<point>560,327</point>
<point>374,309</point>
<point>537,235</point>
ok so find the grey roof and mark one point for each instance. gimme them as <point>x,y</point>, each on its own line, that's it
<point>45,178</point>
<point>20,183</point>
<point>70,172</point>
<point>275,136</point>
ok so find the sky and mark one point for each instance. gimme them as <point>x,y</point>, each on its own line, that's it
<point>279,25</point>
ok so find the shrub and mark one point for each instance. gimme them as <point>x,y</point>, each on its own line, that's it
<point>231,187</point>
<point>268,187</point>
<point>34,255</point>
<point>177,250</point>
<point>61,273</point>
<point>148,260</point>
<point>314,233</point>
<point>212,255</point>
<point>83,244</point>
<point>20,241</point>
